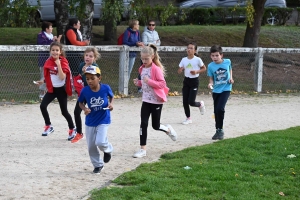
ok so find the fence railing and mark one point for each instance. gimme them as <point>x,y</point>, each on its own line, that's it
<point>263,70</point>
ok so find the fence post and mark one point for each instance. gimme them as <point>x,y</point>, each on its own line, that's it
<point>258,72</point>
<point>123,70</point>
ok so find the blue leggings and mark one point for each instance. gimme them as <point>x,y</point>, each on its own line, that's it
<point>220,100</point>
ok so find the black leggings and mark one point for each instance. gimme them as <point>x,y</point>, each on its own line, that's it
<point>61,95</point>
<point>189,93</point>
<point>220,100</point>
<point>77,117</point>
<point>146,110</point>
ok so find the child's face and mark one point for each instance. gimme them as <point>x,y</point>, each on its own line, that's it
<point>216,57</point>
<point>92,80</point>
<point>191,50</point>
<point>89,58</point>
<point>55,52</point>
<point>147,59</point>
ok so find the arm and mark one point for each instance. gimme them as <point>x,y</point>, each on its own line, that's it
<point>145,38</point>
<point>180,70</point>
<point>202,69</point>
<point>61,74</point>
<point>157,39</point>
<point>211,82</point>
<point>72,38</point>
<point>110,103</point>
<point>85,109</point>
<point>231,78</point>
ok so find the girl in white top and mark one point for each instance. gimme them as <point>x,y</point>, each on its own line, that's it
<point>192,67</point>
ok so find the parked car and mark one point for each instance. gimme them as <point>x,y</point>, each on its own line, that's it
<point>46,11</point>
<point>231,3</point>
<point>227,3</point>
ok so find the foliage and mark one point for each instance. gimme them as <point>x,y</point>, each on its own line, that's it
<point>77,8</point>
<point>112,10</point>
<point>18,13</point>
<point>250,12</point>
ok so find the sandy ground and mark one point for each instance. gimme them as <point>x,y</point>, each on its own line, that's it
<point>36,167</point>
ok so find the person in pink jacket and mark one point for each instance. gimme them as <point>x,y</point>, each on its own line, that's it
<point>155,93</point>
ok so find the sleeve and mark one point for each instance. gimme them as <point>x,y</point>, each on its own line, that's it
<point>144,38</point>
<point>157,43</point>
<point>81,98</point>
<point>209,72</point>
<point>72,38</point>
<point>126,39</point>
<point>41,40</point>
<point>160,81</point>
<point>181,63</point>
<point>80,67</point>
<point>109,92</point>
<point>200,62</point>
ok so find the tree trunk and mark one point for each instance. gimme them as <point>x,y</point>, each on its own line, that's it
<point>110,32</point>
<point>61,10</point>
<point>252,33</point>
<point>87,22</point>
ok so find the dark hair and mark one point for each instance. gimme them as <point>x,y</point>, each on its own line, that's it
<point>46,25</point>
<point>73,21</point>
<point>195,45</point>
<point>60,47</point>
<point>216,48</point>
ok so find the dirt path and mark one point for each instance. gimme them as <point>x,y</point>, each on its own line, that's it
<point>36,167</point>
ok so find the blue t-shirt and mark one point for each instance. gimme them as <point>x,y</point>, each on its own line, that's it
<point>96,101</point>
<point>221,75</point>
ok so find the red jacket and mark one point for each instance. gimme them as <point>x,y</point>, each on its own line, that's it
<point>50,65</point>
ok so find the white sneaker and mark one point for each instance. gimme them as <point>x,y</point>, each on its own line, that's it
<point>202,107</point>
<point>141,153</point>
<point>172,133</point>
<point>187,121</point>
<point>72,134</point>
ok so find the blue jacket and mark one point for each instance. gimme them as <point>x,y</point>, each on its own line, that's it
<point>131,39</point>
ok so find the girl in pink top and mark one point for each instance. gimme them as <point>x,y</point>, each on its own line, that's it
<point>154,95</point>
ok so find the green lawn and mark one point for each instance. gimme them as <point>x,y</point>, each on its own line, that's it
<point>252,167</point>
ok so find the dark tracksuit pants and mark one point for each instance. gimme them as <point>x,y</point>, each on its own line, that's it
<point>220,100</point>
<point>155,111</point>
<point>189,93</point>
<point>61,95</point>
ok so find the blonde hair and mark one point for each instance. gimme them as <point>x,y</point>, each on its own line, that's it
<point>151,50</point>
<point>94,50</point>
<point>133,22</point>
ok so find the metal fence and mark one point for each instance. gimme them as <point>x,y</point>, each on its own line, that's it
<point>262,70</point>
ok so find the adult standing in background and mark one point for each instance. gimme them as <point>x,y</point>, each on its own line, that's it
<point>45,37</point>
<point>73,36</point>
<point>150,35</point>
<point>132,38</point>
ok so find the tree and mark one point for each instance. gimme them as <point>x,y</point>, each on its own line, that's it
<point>112,11</point>
<point>256,10</point>
<point>83,9</point>
<point>61,10</point>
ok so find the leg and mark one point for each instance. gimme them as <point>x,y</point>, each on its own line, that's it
<point>77,117</point>
<point>43,86</point>
<point>93,150</point>
<point>102,142</point>
<point>220,108</point>
<point>185,98</point>
<point>63,103</point>
<point>193,91</point>
<point>130,66</point>
<point>44,104</point>
<point>145,114</point>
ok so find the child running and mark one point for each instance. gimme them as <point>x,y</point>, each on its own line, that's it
<point>192,66</point>
<point>90,56</point>
<point>154,95</point>
<point>99,98</point>
<point>58,82</point>
<point>220,80</point>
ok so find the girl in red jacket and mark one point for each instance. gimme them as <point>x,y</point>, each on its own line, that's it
<point>155,93</point>
<point>58,82</point>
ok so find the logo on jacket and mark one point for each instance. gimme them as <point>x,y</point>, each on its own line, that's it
<point>221,76</point>
<point>96,102</point>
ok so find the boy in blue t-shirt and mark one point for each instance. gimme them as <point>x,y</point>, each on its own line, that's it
<point>99,98</point>
<point>220,81</point>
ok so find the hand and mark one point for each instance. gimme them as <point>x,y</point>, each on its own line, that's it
<point>57,62</point>
<point>40,82</point>
<point>210,86</point>
<point>110,106</point>
<point>87,111</point>
<point>193,72</point>
<point>84,68</point>
<point>87,42</point>
<point>231,81</point>
<point>140,44</point>
<point>146,79</point>
<point>135,81</point>
<point>54,38</point>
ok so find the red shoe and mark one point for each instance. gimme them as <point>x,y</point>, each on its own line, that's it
<point>78,137</point>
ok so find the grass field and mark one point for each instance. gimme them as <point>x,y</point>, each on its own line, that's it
<point>257,166</point>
